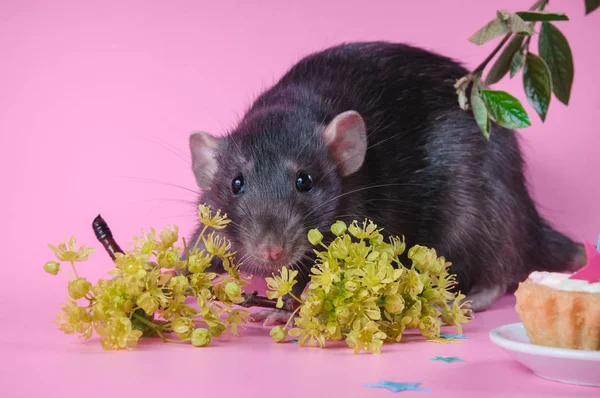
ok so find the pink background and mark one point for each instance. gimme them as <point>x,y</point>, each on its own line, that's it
<point>96,103</point>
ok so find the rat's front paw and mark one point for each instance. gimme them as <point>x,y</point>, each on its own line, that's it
<point>272,317</point>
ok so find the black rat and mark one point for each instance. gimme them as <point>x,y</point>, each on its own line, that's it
<point>373,130</point>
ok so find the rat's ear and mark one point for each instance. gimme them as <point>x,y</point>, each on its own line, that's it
<point>346,136</point>
<point>203,148</point>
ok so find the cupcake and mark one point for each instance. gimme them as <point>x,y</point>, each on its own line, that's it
<point>563,310</point>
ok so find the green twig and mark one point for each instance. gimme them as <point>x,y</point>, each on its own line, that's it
<point>540,4</point>
<point>151,325</point>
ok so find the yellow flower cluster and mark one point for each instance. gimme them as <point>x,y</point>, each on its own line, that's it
<point>148,293</point>
<point>361,292</point>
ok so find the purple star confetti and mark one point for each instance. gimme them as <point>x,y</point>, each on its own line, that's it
<point>452,336</point>
<point>397,387</point>
<point>447,359</point>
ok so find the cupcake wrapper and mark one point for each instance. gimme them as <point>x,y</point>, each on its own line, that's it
<point>557,318</point>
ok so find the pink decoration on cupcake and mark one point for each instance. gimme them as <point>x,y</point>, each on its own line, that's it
<point>591,272</point>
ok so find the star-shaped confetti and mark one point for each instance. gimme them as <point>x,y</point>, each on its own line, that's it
<point>452,336</point>
<point>396,387</point>
<point>447,359</point>
<point>292,341</point>
<point>444,341</point>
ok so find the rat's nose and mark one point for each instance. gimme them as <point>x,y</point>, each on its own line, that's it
<point>271,251</point>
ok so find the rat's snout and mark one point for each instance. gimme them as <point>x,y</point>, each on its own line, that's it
<point>271,237</point>
<point>270,250</point>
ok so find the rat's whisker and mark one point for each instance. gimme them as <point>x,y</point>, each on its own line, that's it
<point>176,200</point>
<point>150,180</point>
<point>164,145</point>
<point>350,193</point>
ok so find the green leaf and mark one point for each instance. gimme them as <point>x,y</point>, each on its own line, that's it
<point>591,5</point>
<point>556,52</point>
<point>493,29</point>
<point>502,64</point>
<point>515,23</point>
<point>481,114</point>
<point>537,83</point>
<point>505,109</point>
<point>516,63</point>
<point>544,16</point>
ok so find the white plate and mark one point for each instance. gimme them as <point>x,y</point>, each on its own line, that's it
<point>557,364</point>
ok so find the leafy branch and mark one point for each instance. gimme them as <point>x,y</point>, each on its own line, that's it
<point>549,72</point>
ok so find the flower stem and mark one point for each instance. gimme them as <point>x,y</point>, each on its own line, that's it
<point>296,298</point>
<point>74,269</point>
<point>200,237</point>
<point>173,341</point>
<point>291,317</point>
<point>150,324</point>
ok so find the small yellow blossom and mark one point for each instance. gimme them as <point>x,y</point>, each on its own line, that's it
<point>217,245</point>
<point>234,292</point>
<point>183,328</point>
<point>338,228</point>
<point>459,313</point>
<point>130,265</point>
<point>74,319</point>
<point>78,288</point>
<point>333,331</point>
<point>52,267</point>
<point>429,327</point>
<point>340,248</point>
<point>279,334</point>
<point>145,244</point>
<point>324,278</point>
<point>67,251</point>
<point>197,262</point>
<point>311,307</point>
<point>118,333</point>
<point>398,245</point>
<point>217,329</point>
<point>315,237</point>
<point>309,331</point>
<point>394,304</point>
<point>279,286</point>
<point>168,237</point>
<point>179,284</point>
<point>201,281</point>
<point>236,319</point>
<point>217,221</point>
<point>170,258</point>
<point>148,303</point>
<point>368,231</point>
<point>411,283</point>
<point>201,337</point>
<point>368,338</point>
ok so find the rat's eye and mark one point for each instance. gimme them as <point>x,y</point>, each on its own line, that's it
<point>238,185</point>
<point>304,182</point>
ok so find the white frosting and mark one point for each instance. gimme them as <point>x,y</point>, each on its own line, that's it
<point>561,281</point>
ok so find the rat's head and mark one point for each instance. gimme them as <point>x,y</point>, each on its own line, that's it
<point>277,176</point>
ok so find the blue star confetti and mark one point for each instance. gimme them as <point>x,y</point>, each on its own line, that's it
<point>448,359</point>
<point>292,341</point>
<point>452,336</point>
<point>397,387</point>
